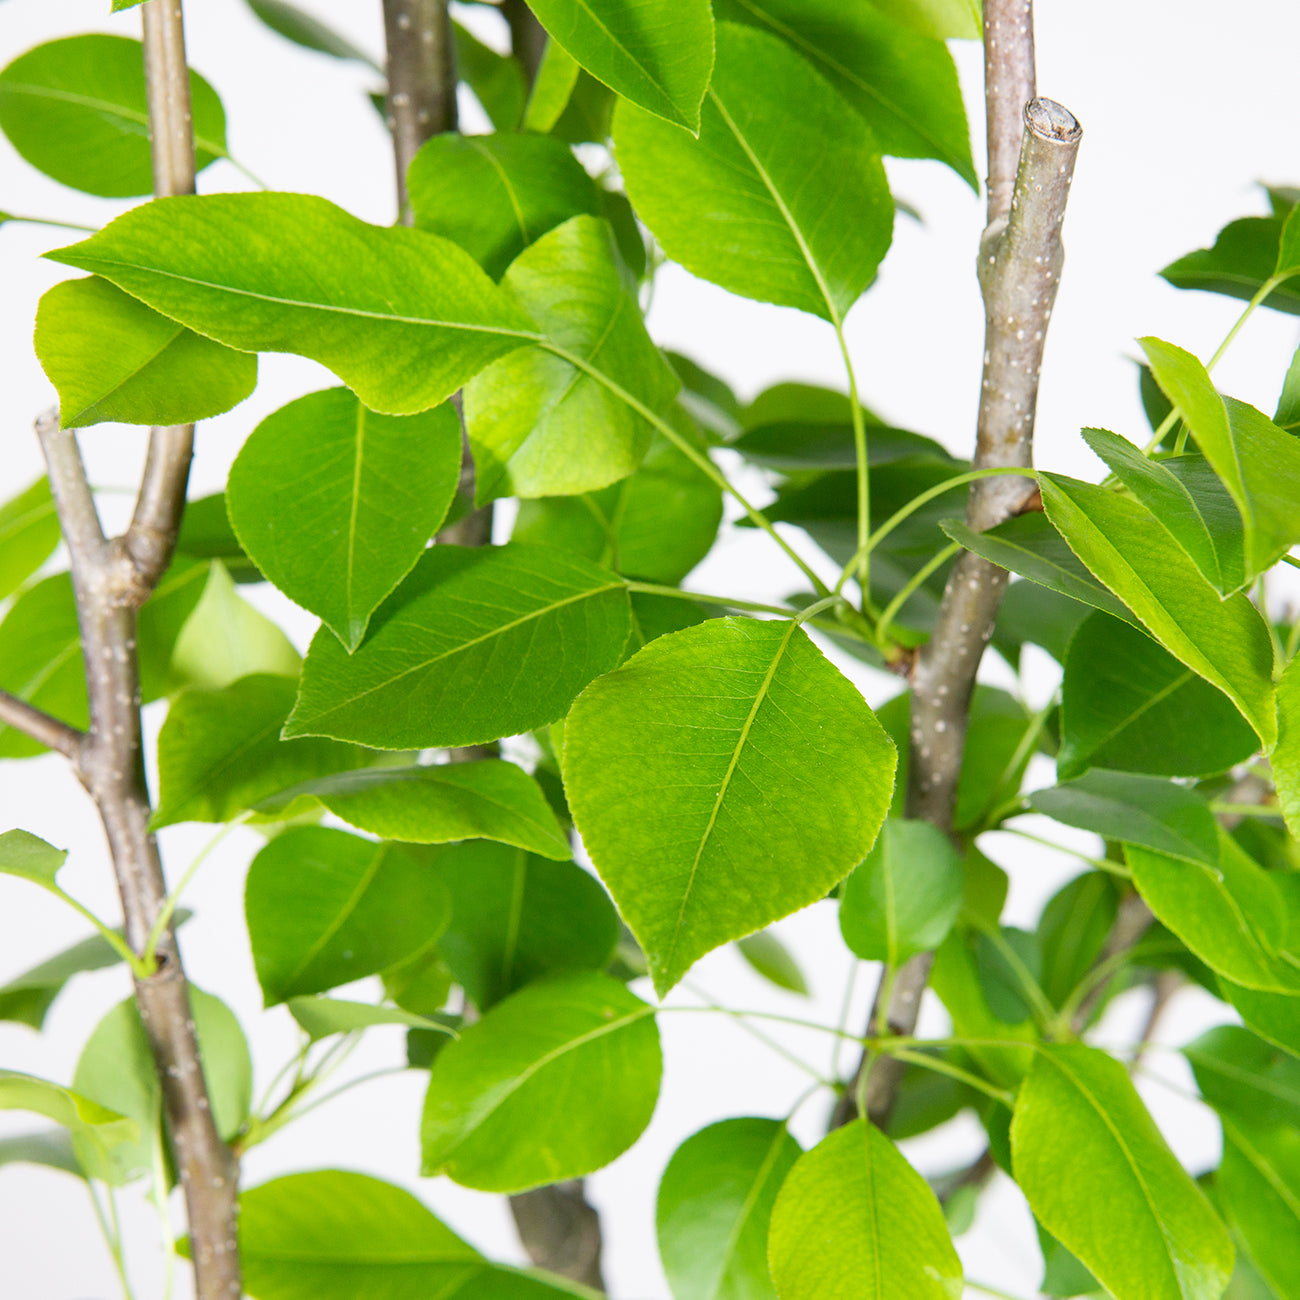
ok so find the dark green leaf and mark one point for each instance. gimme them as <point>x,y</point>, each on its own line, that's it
<point>789,445</point>
<point>335,504</point>
<point>76,109</point>
<point>51,1148</point>
<point>402,317</point>
<point>1244,256</point>
<point>321,1017</point>
<point>792,209</point>
<point>325,908</point>
<point>1072,931</point>
<point>1126,703</point>
<point>1287,415</point>
<point>905,896</point>
<point>543,425</point>
<point>903,84</point>
<point>588,114</point>
<point>28,997</point>
<point>855,1221</point>
<point>788,403</point>
<point>1128,1211</point>
<point>497,80</point>
<point>773,961</point>
<point>476,643</point>
<point>494,195</point>
<point>206,534</point>
<point>29,532</point>
<point>26,855</point>
<point>1038,616</point>
<point>308,31</point>
<point>1274,1016</point>
<point>552,1083</point>
<point>1245,1078</point>
<point>1259,1181</point>
<point>725,776</point>
<point>657,53</point>
<point>714,1206</point>
<point>1009,964</point>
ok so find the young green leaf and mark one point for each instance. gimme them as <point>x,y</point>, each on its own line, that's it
<point>903,84</point>
<point>544,425</point>
<point>771,959</point>
<point>904,897</point>
<point>366,493</point>
<point>855,1221</point>
<point>322,1017</point>
<point>1246,1078</point>
<point>1225,641</point>
<point>1244,256</point>
<point>791,208</point>
<point>101,1130</point>
<point>112,358</point>
<point>657,53</point>
<point>943,19</point>
<point>516,917</point>
<point>1128,704</point>
<point>76,109</point>
<point>552,87</point>
<point>494,195</point>
<point>325,908</point>
<point>715,1204</point>
<point>403,317</point>
<point>1259,1181</point>
<point>1128,1210</point>
<point>552,1083</point>
<point>475,644</point>
<point>436,804</point>
<point>29,532</point>
<point>30,857</point>
<point>724,777</point>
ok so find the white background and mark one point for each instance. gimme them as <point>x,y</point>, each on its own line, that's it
<point>1184,109</point>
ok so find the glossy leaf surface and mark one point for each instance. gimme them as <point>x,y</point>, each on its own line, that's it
<point>552,1083</point>
<point>1243,257</point>
<point>475,644</point>
<point>1259,1181</point>
<point>335,503</point>
<point>791,210</point>
<point>725,776</point>
<point>855,1221</point>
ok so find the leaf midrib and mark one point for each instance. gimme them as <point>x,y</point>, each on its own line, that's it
<point>746,1209</point>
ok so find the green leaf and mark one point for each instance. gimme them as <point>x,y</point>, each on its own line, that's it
<point>220,752</point>
<point>76,109</point>
<point>112,358</point>
<point>321,1017</point>
<point>308,31</point>
<point>1287,415</point>
<point>1257,462</point>
<point>903,84</point>
<point>497,80</point>
<point>516,917</point>
<point>773,961</point>
<point>786,208</point>
<point>1244,1077</point>
<point>404,318</point>
<point>51,1148</point>
<point>325,908</point>
<point>206,534</point>
<point>657,524</point>
<point>942,19</point>
<point>552,87</point>
<point>1072,932</point>
<point>475,644</point>
<point>490,799</point>
<point>29,532</point>
<point>1285,759</point>
<point>657,53</point>
<point>788,445</point>
<point>552,1083</point>
<point>494,195</point>
<point>855,1221</point>
<point>726,776</point>
<point>40,659</point>
<point>905,896</point>
<point>1128,1211</point>
<point>1274,1016</point>
<point>715,1202</point>
<point>1126,703</point>
<point>98,1129</point>
<point>1030,546</point>
<point>1244,256</point>
<point>1009,964</point>
<point>27,998</point>
<point>1259,1181</point>
<point>368,492</point>
<point>542,425</point>
<point>331,1235</point>
<point>588,114</point>
<point>1225,641</point>
<point>1229,913</point>
<point>1142,810</point>
<point>26,855</point>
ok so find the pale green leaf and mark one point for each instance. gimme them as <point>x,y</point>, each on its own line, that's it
<point>942,19</point>
<point>402,317</point>
<point>657,53</point>
<point>1127,1209</point>
<point>553,85</point>
<point>1259,1181</point>
<point>904,897</point>
<point>51,1148</point>
<point>1285,759</point>
<point>855,1221</point>
<point>1225,641</point>
<point>1273,1016</point>
<point>552,1083</point>
<point>112,358</point>
<point>325,908</point>
<point>1246,1078</point>
<point>308,31</point>
<point>76,109</point>
<point>714,1206</point>
<point>321,1017</point>
<point>542,424</point>
<point>475,644</point>
<point>335,504</point>
<point>726,776</point>
<point>27,997</point>
<point>99,1129</point>
<point>29,532</point>
<point>29,856</point>
<point>786,208</point>
<point>773,961</point>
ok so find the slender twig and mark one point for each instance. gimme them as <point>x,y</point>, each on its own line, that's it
<point>40,726</point>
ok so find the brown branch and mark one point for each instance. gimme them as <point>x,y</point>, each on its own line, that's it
<point>527,36</point>
<point>40,726</point>
<point>1032,149</point>
<point>560,1231</point>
